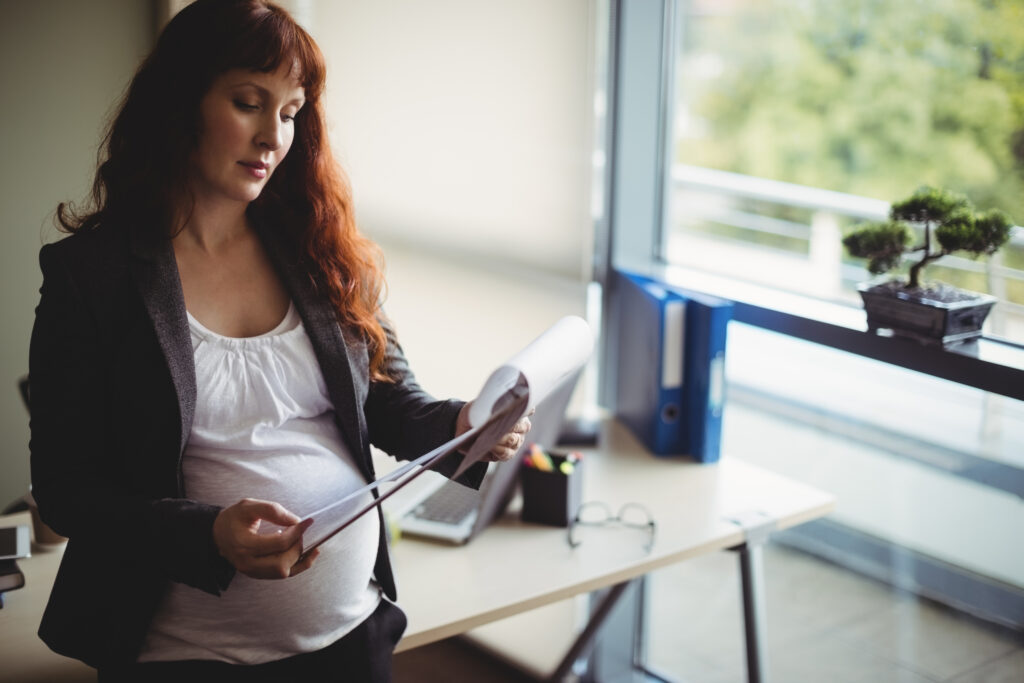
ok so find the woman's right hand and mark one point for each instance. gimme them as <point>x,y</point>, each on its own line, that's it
<point>262,556</point>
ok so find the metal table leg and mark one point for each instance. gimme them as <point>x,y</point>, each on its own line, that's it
<point>752,578</point>
<point>757,528</point>
<point>585,640</point>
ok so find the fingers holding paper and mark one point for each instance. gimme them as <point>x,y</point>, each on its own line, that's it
<point>508,445</point>
<point>276,555</point>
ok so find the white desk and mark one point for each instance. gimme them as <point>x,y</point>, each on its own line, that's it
<point>515,567</point>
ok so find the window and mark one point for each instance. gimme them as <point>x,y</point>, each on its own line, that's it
<point>796,119</point>
<point>767,129</point>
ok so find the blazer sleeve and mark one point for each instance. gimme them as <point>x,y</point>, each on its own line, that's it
<point>81,489</point>
<point>406,421</point>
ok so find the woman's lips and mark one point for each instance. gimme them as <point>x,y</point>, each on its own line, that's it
<point>257,169</point>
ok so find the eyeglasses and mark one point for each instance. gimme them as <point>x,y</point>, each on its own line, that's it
<point>598,514</point>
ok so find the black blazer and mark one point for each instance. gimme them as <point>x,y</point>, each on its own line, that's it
<point>113,394</point>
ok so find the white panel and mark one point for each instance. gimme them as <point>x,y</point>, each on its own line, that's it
<point>672,345</point>
<point>466,124</point>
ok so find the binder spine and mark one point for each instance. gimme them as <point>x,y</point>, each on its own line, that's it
<point>673,366</point>
<point>706,370</point>
<point>651,363</point>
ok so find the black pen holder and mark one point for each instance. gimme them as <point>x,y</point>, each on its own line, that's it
<point>552,497</point>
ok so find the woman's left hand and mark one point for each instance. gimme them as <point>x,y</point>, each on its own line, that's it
<point>507,445</point>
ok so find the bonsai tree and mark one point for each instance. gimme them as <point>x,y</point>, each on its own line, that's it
<point>950,224</point>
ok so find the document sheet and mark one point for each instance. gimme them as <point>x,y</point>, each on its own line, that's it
<point>509,393</point>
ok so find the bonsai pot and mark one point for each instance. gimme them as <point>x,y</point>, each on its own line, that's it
<point>937,314</point>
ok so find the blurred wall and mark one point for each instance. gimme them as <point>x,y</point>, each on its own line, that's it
<point>465,125</point>
<point>63,65</point>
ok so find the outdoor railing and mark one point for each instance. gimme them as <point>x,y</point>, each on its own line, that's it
<point>823,231</point>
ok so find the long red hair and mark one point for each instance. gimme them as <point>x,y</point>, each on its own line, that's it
<point>145,167</point>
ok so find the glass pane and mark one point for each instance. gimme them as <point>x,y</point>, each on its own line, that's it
<point>796,119</point>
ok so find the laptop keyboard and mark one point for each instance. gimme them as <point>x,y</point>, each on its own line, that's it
<point>449,504</point>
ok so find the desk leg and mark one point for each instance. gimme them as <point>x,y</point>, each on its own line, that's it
<point>619,622</point>
<point>752,576</point>
<point>585,640</point>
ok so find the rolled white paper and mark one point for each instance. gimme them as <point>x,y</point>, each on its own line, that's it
<point>542,364</point>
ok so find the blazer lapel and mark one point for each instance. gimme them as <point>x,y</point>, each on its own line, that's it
<point>156,275</point>
<point>329,344</point>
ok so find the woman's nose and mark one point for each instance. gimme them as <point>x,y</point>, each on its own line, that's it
<point>270,133</point>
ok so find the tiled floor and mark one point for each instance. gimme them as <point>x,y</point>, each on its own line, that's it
<point>825,624</point>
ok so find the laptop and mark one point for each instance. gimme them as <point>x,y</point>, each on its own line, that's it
<point>452,513</point>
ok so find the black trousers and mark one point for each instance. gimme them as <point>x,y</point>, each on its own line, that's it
<point>361,656</point>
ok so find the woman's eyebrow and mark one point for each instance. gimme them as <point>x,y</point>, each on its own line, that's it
<point>299,99</point>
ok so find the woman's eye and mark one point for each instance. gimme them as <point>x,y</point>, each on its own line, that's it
<point>245,106</point>
<point>288,117</point>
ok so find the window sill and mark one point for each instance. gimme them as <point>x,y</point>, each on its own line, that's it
<point>988,363</point>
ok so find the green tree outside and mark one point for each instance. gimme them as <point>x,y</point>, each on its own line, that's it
<point>869,97</point>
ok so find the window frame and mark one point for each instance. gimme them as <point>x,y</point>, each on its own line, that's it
<point>642,49</point>
<point>629,234</point>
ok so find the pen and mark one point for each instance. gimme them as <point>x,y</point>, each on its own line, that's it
<point>538,459</point>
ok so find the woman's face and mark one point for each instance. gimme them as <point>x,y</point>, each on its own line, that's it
<point>246,128</point>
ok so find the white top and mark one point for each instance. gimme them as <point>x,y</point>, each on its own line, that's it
<point>264,428</point>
